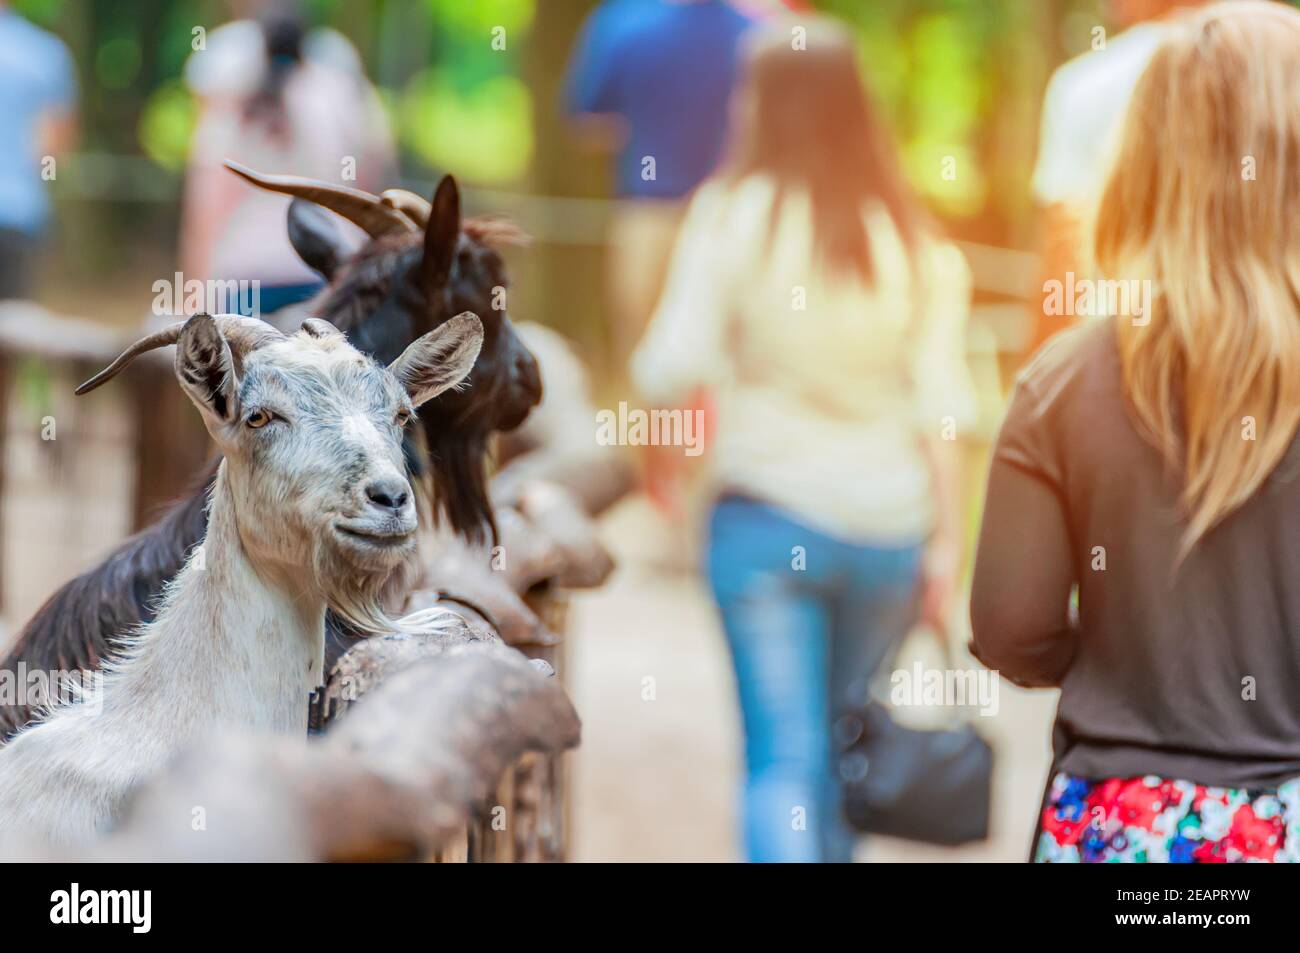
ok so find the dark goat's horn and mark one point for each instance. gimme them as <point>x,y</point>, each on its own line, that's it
<point>362,209</point>
<point>320,328</point>
<point>415,207</point>
<point>242,334</point>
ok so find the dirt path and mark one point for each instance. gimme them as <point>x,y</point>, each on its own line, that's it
<point>658,767</point>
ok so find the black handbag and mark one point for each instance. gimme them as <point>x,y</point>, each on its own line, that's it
<point>931,786</point>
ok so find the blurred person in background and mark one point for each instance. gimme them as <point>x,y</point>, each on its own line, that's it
<point>281,99</point>
<point>1083,109</point>
<point>1149,469</point>
<point>651,79</point>
<point>809,290</point>
<point>38,123</point>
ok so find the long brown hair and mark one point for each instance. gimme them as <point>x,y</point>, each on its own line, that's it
<point>1204,202</point>
<point>804,118</point>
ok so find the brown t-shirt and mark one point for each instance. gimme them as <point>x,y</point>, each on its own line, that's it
<point>1189,672</point>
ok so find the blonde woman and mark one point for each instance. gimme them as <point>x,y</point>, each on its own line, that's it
<point>808,291</point>
<point>1151,463</point>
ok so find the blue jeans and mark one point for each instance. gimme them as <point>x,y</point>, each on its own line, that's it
<point>809,618</point>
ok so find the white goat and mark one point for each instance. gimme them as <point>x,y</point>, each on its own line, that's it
<point>311,507</point>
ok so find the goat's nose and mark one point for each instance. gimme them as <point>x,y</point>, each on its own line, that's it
<point>388,494</point>
<point>529,375</point>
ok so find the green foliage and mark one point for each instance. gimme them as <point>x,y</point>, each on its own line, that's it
<point>484,131</point>
<point>117,62</point>
<point>173,42</point>
<point>470,111</point>
<point>44,12</point>
<point>477,19</point>
<point>166,124</point>
<point>958,81</point>
<point>34,385</point>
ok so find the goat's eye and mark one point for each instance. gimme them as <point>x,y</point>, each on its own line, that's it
<point>259,418</point>
<point>403,417</point>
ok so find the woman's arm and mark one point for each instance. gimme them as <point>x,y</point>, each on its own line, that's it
<point>941,567</point>
<point>946,409</point>
<point>1024,574</point>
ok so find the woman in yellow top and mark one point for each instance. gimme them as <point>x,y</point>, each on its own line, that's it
<point>810,293</point>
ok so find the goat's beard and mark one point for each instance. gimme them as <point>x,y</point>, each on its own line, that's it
<point>360,596</point>
<point>363,597</point>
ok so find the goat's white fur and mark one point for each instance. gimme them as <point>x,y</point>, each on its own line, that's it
<point>239,639</point>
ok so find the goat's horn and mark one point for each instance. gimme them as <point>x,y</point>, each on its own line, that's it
<point>320,328</point>
<point>246,334</point>
<point>242,334</point>
<point>166,336</point>
<point>367,211</point>
<point>415,207</point>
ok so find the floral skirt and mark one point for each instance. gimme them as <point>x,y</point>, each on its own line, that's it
<point>1151,820</point>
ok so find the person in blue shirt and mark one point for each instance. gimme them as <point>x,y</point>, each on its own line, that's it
<point>666,71</point>
<point>653,79</point>
<point>37,122</point>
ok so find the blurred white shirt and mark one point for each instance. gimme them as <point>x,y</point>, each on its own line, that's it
<point>333,119</point>
<point>1083,112</point>
<point>821,411</point>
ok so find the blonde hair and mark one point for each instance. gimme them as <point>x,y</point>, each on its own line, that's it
<point>1204,201</point>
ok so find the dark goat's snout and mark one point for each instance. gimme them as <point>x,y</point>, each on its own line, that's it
<point>528,376</point>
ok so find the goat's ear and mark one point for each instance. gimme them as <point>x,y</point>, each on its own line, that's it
<point>206,370</point>
<point>316,238</point>
<point>440,359</point>
<point>441,235</point>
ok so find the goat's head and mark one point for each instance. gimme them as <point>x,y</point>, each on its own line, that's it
<point>422,265</point>
<point>311,430</point>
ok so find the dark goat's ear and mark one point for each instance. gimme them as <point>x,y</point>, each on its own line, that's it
<point>441,235</point>
<point>316,238</point>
